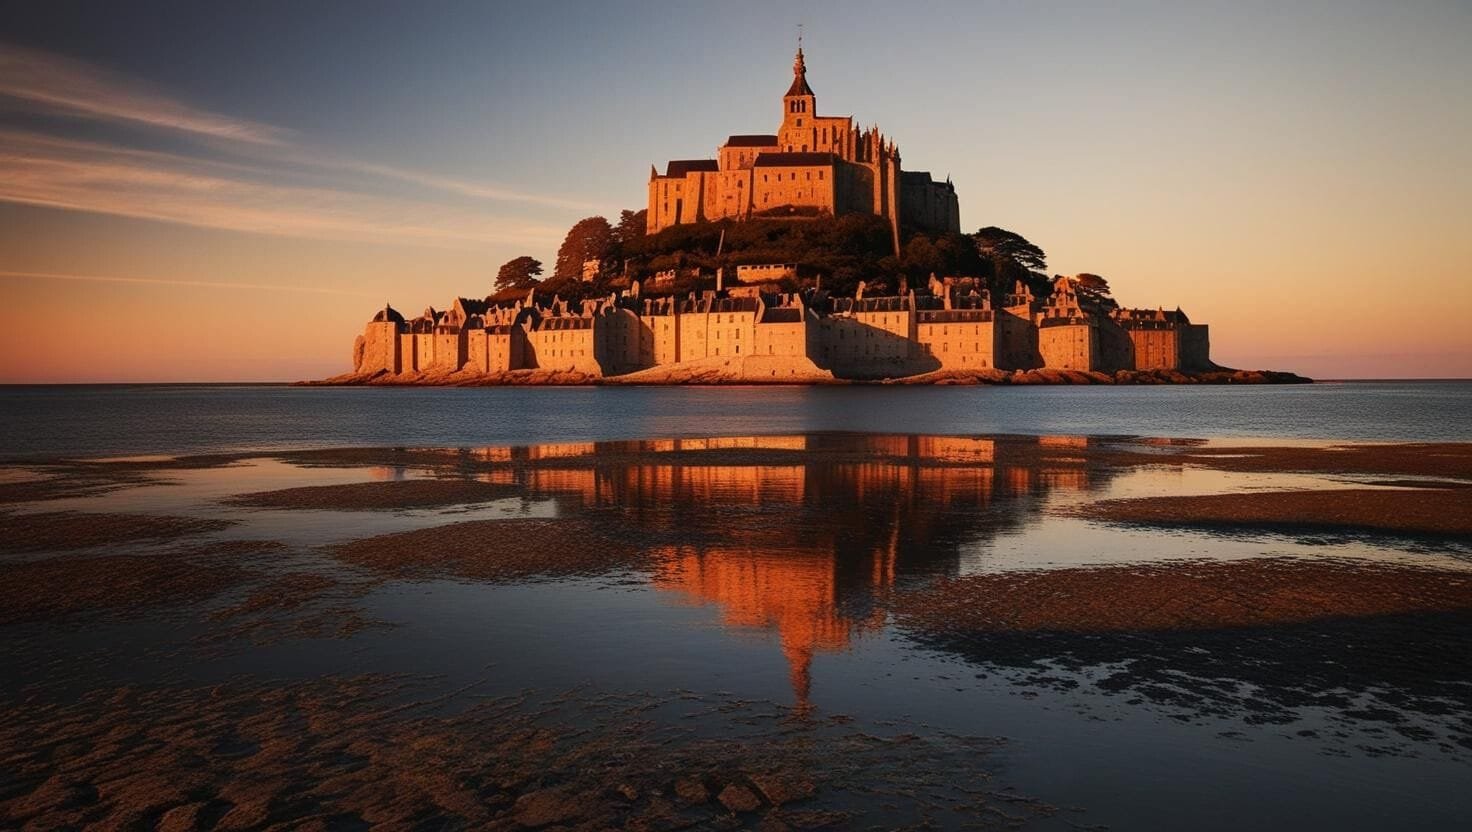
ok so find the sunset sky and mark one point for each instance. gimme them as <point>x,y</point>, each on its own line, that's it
<point>216,192</point>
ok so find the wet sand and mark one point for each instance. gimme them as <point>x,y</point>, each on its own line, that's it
<point>57,588</point>
<point>387,751</point>
<point>70,530</point>
<point>1184,596</point>
<point>494,550</point>
<point>1432,512</point>
<point>1442,459</point>
<point>368,496</point>
<point>814,544</point>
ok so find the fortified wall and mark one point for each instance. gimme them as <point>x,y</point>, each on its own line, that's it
<point>893,336</point>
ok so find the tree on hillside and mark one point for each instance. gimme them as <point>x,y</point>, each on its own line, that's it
<point>520,273</point>
<point>590,238</point>
<point>1011,257</point>
<point>631,227</point>
<point>1095,288</point>
<point>921,259</point>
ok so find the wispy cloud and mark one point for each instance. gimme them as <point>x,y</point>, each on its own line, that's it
<point>92,176</point>
<point>471,189</point>
<point>202,284</point>
<point>60,83</point>
<point>348,199</point>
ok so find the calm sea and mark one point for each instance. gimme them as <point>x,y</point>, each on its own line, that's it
<point>127,419</point>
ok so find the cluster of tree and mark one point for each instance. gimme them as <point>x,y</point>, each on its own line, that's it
<point>1093,289</point>
<point>842,250</point>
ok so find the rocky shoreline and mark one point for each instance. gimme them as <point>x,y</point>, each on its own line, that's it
<point>735,373</point>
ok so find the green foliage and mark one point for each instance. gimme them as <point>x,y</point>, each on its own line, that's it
<point>521,273</point>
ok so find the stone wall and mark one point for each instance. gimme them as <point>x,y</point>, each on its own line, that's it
<point>786,339</point>
<point>862,338</point>
<point>1017,340</point>
<point>563,344</point>
<point>961,339</point>
<point>1157,347</point>
<point>380,348</point>
<point>1067,346</point>
<point>798,186</point>
<point>1196,347</point>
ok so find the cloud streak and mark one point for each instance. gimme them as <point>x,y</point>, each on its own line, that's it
<point>203,284</point>
<point>58,83</point>
<point>348,201</point>
<point>90,176</point>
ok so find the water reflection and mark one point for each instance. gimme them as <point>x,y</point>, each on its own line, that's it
<point>814,539</point>
<point>816,543</point>
<point>801,536</point>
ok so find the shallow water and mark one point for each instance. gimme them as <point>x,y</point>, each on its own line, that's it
<point>772,578</point>
<point>170,419</point>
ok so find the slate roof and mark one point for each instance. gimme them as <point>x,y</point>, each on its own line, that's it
<point>782,315</point>
<point>680,167</point>
<point>751,140</point>
<point>388,314</point>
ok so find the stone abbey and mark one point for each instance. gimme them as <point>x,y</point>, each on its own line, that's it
<point>813,166</point>
<point>754,331</point>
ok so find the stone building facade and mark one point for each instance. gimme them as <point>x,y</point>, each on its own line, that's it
<point>812,166</point>
<point>951,326</point>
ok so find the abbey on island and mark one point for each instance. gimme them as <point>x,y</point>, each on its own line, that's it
<point>752,326</point>
<point>813,166</point>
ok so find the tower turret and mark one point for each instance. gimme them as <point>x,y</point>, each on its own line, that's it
<point>799,102</point>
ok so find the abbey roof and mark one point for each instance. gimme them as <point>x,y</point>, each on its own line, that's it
<point>388,314</point>
<point>751,140</point>
<point>677,169</point>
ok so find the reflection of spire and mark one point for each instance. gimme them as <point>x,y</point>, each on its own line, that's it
<point>799,674</point>
<point>796,596</point>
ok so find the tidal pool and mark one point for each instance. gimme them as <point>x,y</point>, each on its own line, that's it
<point>823,630</point>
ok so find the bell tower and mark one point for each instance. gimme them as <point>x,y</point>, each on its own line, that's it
<point>799,108</point>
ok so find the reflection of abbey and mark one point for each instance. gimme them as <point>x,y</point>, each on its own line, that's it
<point>814,166</point>
<point>865,526</point>
<point>784,336</point>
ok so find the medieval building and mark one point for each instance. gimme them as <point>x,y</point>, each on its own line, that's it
<point>784,336</point>
<point>813,166</point>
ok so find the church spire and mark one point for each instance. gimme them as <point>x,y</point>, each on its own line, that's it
<point>799,72</point>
